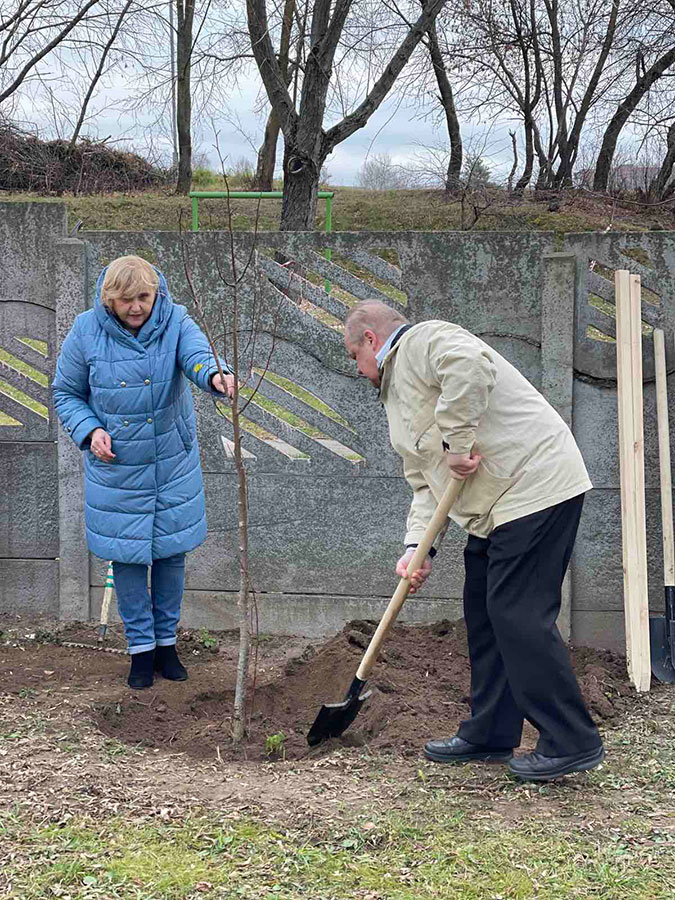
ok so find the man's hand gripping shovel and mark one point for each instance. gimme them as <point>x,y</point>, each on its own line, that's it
<point>335,718</point>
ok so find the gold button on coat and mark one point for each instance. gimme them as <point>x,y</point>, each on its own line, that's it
<point>123,383</point>
<point>147,381</point>
<point>149,420</point>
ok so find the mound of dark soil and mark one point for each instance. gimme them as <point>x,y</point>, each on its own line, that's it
<point>420,689</point>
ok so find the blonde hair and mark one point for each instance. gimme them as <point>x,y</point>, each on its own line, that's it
<point>373,314</point>
<point>125,276</point>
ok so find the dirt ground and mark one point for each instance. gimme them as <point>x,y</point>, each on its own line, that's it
<point>420,689</point>
<point>136,795</point>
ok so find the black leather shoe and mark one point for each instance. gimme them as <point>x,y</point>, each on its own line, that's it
<point>457,750</point>
<point>140,673</point>
<point>537,767</point>
<point>167,662</point>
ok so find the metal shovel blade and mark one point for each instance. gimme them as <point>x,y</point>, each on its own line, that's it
<point>659,645</point>
<point>334,718</point>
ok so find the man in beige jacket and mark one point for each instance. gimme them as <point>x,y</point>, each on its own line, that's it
<point>456,408</point>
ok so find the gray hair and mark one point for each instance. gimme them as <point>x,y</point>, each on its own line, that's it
<point>373,315</point>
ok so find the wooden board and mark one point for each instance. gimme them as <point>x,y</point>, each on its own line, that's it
<point>631,449</point>
<point>664,458</point>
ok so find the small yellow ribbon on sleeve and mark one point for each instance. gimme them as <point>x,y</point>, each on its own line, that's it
<point>198,367</point>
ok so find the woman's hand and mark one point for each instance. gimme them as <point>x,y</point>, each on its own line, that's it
<point>225,384</point>
<point>101,445</point>
<point>418,577</point>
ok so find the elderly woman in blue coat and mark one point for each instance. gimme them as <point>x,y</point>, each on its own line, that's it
<point>122,395</point>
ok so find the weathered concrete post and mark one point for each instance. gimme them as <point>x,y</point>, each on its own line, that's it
<point>557,364</point>
<point>69,271</point>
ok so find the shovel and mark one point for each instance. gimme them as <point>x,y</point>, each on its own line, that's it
<point>662,628</point>
<point>334,718</point>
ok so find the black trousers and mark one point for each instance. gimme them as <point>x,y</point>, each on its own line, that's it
<point>520,667</point>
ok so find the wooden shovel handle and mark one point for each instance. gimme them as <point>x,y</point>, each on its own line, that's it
<point>400,594</point>
<point>664,458</point>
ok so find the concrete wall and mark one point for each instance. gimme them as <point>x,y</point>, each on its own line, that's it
<point>327,517</point>
<point>29,514</point>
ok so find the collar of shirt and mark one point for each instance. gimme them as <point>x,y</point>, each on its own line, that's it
<point>385,348</point>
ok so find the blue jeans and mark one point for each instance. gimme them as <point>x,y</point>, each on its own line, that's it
<point>150,620</point>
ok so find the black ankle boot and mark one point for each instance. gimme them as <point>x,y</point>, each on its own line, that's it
<point>167,662</point>
<point>141,674</point>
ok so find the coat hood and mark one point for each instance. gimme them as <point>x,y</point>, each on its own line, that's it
<point>150,330</point>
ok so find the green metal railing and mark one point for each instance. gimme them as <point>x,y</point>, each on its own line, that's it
<point>196,196</point>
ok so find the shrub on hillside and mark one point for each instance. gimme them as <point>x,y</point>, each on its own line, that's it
<point>203,179</point>
<point>475,171</point>
<point>239,176</point>
<point>380,173</point>
<point>51,167</point>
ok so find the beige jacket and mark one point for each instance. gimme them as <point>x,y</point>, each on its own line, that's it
<point>440,383</point>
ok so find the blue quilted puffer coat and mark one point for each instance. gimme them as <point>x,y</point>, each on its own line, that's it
<point>148,503</point>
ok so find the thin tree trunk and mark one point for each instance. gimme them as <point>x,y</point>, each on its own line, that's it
<point>514,167</point>
<point>453,175</point>
<point>97,76</point>
<point>569,144</point>
<point>172,55</point>
<point>659,187</point>
<point>526,34</point>
<point>545,177</point>
<point>185,19</point>
<point>524,179</point>
<point>238,717</point>
<point>626,107</point>
<point>267,154</point>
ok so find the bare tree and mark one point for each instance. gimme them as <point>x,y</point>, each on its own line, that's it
<point>235,335</point>
<point>427,167</point>
<point>379,173</point>
<point>554,65</point>
<point>627,106</point>
<point>566,142</point>
<point>99,72</point>
<point>267,154</point>
<point>238,719</point>
<point>185,15</point>
<point>307,144</point>
<point>213,57</point>
<point>453,175</point>
<point>32,29</point>
<point>663,186</point>
<point>499,44</point>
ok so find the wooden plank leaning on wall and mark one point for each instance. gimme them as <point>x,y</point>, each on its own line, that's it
<point>632,476</point>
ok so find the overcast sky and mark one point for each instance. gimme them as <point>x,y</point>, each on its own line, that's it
<point>394,129</point>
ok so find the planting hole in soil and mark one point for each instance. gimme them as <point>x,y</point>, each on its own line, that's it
<point>420,690</point>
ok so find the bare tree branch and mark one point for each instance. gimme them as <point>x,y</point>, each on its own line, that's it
<point>55,41</point>
<point>383,85</point>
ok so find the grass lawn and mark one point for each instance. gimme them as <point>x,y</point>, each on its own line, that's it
<point>355,209</point>
<point>423,853</point>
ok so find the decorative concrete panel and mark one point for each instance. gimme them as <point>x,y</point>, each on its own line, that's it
<point>327,502</point>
